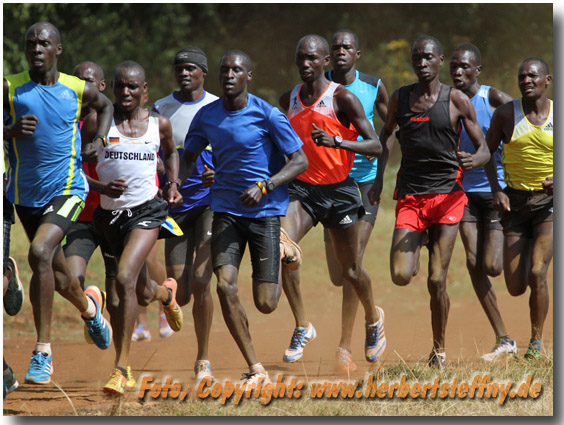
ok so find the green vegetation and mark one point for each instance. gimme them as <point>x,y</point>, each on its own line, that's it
<point>151,33</point>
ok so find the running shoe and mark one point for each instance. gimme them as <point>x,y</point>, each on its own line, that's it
<point>173,311</point>
<point>13,298</point>
<point>86,334</point>
<point>202,369</point>
<point>290,251</point>
<point>140,334</point>
<point>255,378</point>
<point>501,348</point>
<point>299,340</point>
<point>533,352</point>
<point>40,368</point>
<point>10,382</point>
<point>99,329</point>
<point>164,328</point>
<point>130,381</point>
<point>375,342</point>
<point>344,363</point>
<point>437,360</point>
<point>117,383</point>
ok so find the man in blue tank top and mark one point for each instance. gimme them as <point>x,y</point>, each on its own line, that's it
<point>46,183</point>
<point>480,227</point>
<point>370,90</point>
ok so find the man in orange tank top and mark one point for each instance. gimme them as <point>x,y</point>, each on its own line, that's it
<point>328,118</point>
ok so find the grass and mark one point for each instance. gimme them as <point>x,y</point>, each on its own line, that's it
<point>376,264</point>
<point>514,370</point>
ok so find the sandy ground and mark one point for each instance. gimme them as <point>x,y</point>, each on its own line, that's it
<point>81,369</point>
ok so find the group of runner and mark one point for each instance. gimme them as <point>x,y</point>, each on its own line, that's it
<point>239,171</point>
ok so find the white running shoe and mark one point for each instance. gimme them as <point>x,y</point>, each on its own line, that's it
<point>202,369</point>
<point>501,348</point>
<point>300,338</point>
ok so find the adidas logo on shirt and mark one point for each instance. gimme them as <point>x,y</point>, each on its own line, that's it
<point>65,95</point>
<point>321,104</point>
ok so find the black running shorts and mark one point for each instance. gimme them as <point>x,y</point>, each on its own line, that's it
<point>336,206</point>
<point>231,233</point>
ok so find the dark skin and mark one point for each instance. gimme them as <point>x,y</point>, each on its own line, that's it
<point>46,259</point>
<point>311,58</point>
<point>484,246</point>
<point>133,285</point>
<point>525,260</point>
<point>404,256</point>
<point>344,55</point>
<point>194,273</point>
<point>234,76</point>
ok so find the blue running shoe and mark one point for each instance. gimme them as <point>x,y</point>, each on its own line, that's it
<point>40,369</point>
<point>99,329</point>
<point>375,342</point>
<point>299,340</point>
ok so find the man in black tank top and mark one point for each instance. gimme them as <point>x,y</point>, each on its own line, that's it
<point>429,191</point>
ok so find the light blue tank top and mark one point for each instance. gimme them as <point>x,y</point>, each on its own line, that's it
<point>475,180</point>
<point>365,87</point>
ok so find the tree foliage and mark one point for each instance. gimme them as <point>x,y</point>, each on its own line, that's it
<point>151,33</point>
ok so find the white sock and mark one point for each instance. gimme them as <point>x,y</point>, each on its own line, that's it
<point>257,368</point>
<point>90,310</point>
<point>43,347</point>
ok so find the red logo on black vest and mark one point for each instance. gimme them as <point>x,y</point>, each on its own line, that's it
<point>420,119</point>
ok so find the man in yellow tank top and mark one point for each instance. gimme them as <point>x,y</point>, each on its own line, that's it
<point>526,128</point>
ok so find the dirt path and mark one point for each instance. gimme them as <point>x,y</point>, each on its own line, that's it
<point>81,370</point>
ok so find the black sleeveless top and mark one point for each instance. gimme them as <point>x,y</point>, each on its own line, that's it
<point>428,147</point>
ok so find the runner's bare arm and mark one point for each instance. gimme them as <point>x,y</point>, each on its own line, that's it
<point>94,99</point>
<point>495,136</point>
<point>297,163</point>
<point>387,137</point>
<point>170,160</point>
<point>24,126</point>
<point>349,105</point>
<point>467,114</point>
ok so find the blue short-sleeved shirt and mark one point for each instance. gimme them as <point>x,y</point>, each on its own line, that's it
<point>249,145</point>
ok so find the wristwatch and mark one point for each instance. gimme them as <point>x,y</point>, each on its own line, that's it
<point>338,140</point>
<point>99,136</point>
<point>269,185</point>
<point>177,181</point>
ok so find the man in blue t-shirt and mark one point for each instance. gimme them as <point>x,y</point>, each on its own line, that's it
<point>251,141</point>
<point>371,92</point>
<point>480,227</point>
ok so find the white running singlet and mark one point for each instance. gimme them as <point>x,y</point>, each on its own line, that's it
<point>133,159</point>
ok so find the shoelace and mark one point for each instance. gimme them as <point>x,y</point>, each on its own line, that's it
<point>38,361</point>
<point>297,338</point>
<point>94,325</point>
<point>118,213</point>
<point>373,332</point>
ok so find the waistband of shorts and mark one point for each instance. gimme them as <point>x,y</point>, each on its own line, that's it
<point>349,181</point>
<point>523,192</point>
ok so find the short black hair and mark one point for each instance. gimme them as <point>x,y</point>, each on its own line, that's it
<point>347,31</point>
<point>47,25</point>
<point>469,47</point>
<point>129,64</point>
<point>320,41</point>
<point>433,40</point>
<point>236,52</point>
<point>543,63</point>
<point>92,65</point>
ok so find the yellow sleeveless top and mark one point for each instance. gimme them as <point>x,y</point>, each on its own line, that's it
<point>527,158</point>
